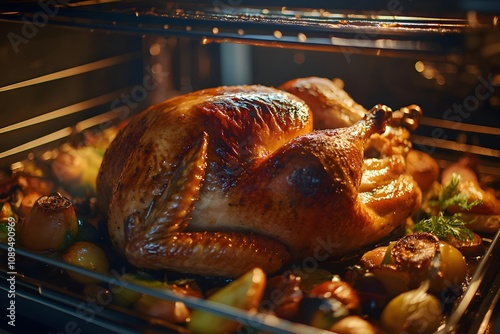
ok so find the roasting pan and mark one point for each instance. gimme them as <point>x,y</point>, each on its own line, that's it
<point>75,66</point>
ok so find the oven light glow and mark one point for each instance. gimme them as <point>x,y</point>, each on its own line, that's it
<point>472,19</point>
<point>428,73</point>
<point>155,49</point>
<point>215,30</point>
<point>278,34</point>
<point>419,66</point>
<point>241,32</point>
<point>302,37</point>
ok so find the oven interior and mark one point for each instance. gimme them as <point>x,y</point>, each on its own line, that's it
<point>75,66</point>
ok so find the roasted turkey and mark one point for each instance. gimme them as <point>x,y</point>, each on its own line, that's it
<point>221,180</point>
<point>334,108</point>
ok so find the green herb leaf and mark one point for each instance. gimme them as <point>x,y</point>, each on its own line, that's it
<point>445,226</point>
<point>451,195</point>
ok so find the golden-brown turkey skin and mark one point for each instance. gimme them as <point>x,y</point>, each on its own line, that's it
<point>221,180</point>
<point>309,199</point>
<point>192,149</point>
<point>333,107</point>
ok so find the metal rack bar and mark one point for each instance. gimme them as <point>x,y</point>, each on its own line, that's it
<point>261,321</point>
<point>103,63</point>
<point>298,26</point>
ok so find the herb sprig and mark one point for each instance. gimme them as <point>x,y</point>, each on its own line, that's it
<point>451,195</point>
<point>444,225</point>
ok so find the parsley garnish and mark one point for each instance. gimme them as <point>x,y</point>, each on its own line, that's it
<point>450,195</point>
<point>442,225</point>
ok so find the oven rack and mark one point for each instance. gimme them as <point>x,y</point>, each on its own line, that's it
<point>425,28</point>
<point>471,313</point>
<point>445,151</point>
<point>116,319</point>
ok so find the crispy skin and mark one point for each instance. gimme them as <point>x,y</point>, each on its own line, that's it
<point>221,180</point>
<point>332,106</point>
<point>242,125</point>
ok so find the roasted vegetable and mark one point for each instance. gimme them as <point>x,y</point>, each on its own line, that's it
<point>395,280</point>
<point>482,223</point>
<point>28,201</point>
<point>172,311</point>
<point>86,255</point>
<point>7,221</point>
<point>6,213</point>
<point>439,222</point>
<point>413,259</point>
<point>353,324</point>
<point>282,296</point>
<point>452,269</point>
<point>77,169</point>
<point>339,290</point>
<point>328,302</point>
<point>374,257</point>
<point>414,311</point>
<point>245,293</point>
<point>126,297</point>
<point>420,252</point>
<point>372,293</point>
<point>469,248</point>
<point>414,253</point>
<point>86,231</point>
<point>49,225</point>
<point>321,312</point>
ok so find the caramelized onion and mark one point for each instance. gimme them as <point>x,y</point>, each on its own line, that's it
<point>50,223</point>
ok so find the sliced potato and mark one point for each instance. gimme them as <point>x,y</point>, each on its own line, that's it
<point>245,293</point>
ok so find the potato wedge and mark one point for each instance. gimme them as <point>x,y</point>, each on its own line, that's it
<point>244,293</point>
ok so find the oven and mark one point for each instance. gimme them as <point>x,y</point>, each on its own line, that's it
<point>71,68</point>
